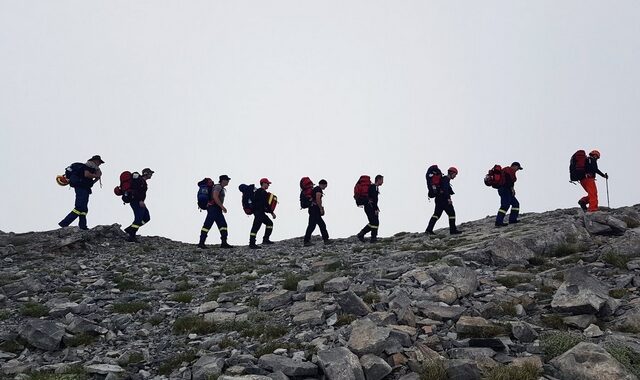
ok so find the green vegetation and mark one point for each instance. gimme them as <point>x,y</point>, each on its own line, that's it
<point>615,259</point>
<point>173,363</point>
<point>629,358</point>
<point>558,342</point>
<point>371,298</point>
<point>433,370</point>
<point>222,288</point>
<point>566,249</point>
<point>334,266</point>
<point>183,297</point>
<point>227,343</point>
<point>269,347</point>
<point>14,346</point>
<point>74,372</point>
<point>4,314</point>
<point>193,324</point>
<point>34,309</point>
<point>345,319</point>
<point>253,302</point>
<point>486,331</point>
<point>618,293</point>
<point>130,307</point>
<point>155,320</point>
<point>526,372</point>
<point>553,321</point>
<point>82,339</point>
<point>125,284</point>
<point>501,309</point>
<point>183,286</point>
<point>512,281</point>
<point>291,281</point>
<point>8,279</point>
<point>357,249</point>
<point>258,326</point>
<point>537,261</point>
<point>135,358</point>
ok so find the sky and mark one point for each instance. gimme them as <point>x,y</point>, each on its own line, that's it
<point>325,89</point>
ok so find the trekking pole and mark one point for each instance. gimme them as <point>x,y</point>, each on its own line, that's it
<point>607,182</point>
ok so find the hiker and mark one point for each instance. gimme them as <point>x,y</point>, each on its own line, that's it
<point>372,211</point>
<point>260,208</point>
<point>140,211</point>
<point>215,213</point>
<point>589,182</point>
<point>316,211</point>
<point>443,203</point>
<point>82,179</point>
<point>507,194</point>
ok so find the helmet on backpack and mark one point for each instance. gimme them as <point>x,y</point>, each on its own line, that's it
<point>595,154</point>
<point>452,169</point>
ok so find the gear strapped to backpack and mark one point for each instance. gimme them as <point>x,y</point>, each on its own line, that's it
<point>247,197</point>
<point>495,177</point>
<point>73,175</point>
<point>361,190</point>
<point>306,192</point>
<point>205,190</point>
<point>272,202</point>
<point>434,178</point>
<point>577,166</point>
<point>126,190</point>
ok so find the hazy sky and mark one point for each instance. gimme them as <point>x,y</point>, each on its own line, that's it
<point>326,89</point>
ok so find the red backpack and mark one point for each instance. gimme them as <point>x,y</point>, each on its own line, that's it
<point>306,192</point>
<point>577,166</point>
<point>361,190</point>
<point>495,177</point>
<point>433,177</point>
<point>125,190</point>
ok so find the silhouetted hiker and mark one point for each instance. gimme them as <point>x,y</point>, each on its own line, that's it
<point>443,203</point>
<point>215,213</point>
<point>81,178</point>
<point>316,211</point>
<point>261,205</point>
<point>138,196</point>
<point>507,194</point>
<point>588,182</point>
<point>371,210</point>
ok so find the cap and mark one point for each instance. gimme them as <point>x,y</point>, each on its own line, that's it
<point>453,169</point>
<point>516,163</point>
<point>224,177</point>
<point>96,158</point>
<point>594,153</point>
<point>147,171</point>
<point>265,180</point>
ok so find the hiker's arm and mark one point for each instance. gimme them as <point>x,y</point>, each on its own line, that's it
<point>216,200</point>
<point>95,175</point>
<point>319,199</point>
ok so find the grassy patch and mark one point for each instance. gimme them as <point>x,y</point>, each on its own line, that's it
<point>34,309</point>
<point>253,302</point>
<point>618,293</point>
<point>183,297</point>
<point>615,259</point>
<point>8,279</point>
<point>566,249</point>
<point>429,257</point>
<point>155,320</point>
<point>215,292</point>
<point>173,363</point>
<point>345,319</point>
<point>130,307</point>
<point>183,286</point>
<point>553,321</point>
<point>626,356</point>
<point>334,266</point>
<point>12,346</point>
<point>125,284</point>
<point>512,281</point>
<point>193,324</point>
<point>291,281</point>
<point>135,358</point>
<point>433,370</point>
<point>558,342</point>
<point>228,343</point>
<point>501,309</point>
<point>630,222</point>
<point>74,372</point>
<point>4,314</point>
<point>526,372</point>
<point>269,347</point>
<point>371,298</point>
<point>486,331</point>
<point>82,339</point>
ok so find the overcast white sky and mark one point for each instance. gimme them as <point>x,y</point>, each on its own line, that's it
<point>326,89</point>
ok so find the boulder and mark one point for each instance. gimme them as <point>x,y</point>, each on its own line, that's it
<point>503,251</point>
<point>287,365</point>
<point>602,223</point>
<point>310,317</point>
<point>367,338</point>
<point>588,361</point>
<point>464,280</point>
<point>104,369</point>
<point>274,300</point>
<point>523,332</point>
<point>582,293</point>
<point>42,334</point>
<point>375,368</point>
<point>207,367</point>
<point>336,285</point>
<point>462,369</point>
<point>339,363</point>
<point>350,303</point>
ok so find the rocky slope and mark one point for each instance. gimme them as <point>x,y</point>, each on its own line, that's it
<point>552,297</point>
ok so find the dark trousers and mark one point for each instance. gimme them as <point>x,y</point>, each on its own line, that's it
<point>374,222</point>
<point>315,219</point>
<point>80,210</point>
<point>214,215</point>
<point>507,199</point>
<point>140,217</point>
<point>260,218</point>
<point>442,204</point>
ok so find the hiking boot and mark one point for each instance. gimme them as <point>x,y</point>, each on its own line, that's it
<point>132,239</point>
<point>307,244</point>
<point>267,241</point>
<point>328,241</point>
<point>254,246</point>
<point>374,240</point>
<point>128,230</point>
<point>202,246</point>
<point>455,232</point>
<point>225,245</point>
<point>582,205</point>
<point>429,232</point>
<point>502,224</point>
<point>360,237</point>
<point>514,222</point>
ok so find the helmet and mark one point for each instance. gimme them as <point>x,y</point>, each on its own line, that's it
<point>594,153</point>
<point>62,180</point>
<point>265,180</point>
<point>452,170</point>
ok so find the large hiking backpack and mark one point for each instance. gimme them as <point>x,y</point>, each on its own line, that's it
<point>74,174</point>
<point>205,188</point>
<point>361,190</point>
<point>577,166</point>
<point>495,177</point>
<point>434,178</point>
<point>126,189</point>
<point>247,197</point>
<point>306,192</point>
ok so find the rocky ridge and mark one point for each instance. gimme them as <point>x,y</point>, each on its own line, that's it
<point>553,297</point>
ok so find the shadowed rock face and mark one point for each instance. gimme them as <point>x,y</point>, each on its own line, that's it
<point>458,305</point>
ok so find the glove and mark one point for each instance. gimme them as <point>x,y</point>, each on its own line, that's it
<point>606,175</point>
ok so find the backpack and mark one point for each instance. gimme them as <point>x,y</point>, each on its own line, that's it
<point>126,189</point>
<point>306,192</point>
<point>495,177</point>
<point>361,190</point>
<point>247,197</point>
<point>272,202</point>
<point>74,173</point>
<point>205,190</point>
<point>577,166</point>
<point>434,178</point>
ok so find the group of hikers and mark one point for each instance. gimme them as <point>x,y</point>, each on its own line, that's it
<point>259,202</point>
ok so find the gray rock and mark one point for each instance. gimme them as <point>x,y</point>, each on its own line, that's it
<point>593,331</point>
<point>103,369</point>
<point>474,326</point>
<point>244,377</point>
<point>503,251</point>
<point>274,300</point>
<point>375,368</point>
<point>206,307</point>
<point>305,286</point>
<point>311,318</point>
<point>220,317</point>
<point>350,303</point>
<point>601,223</point>
<point>367,338</point>
<point>45,335</point>
<point>288,366</point>
<point>523,332</point>
<point>421,277</point>
<point>339,363</point>
<point>462,369</point>
<point>79,325</point>
<point>441,313</point>
<point>299,307</point>
<point>629,321</point>
<point>338,284</point>
<point>579,321</point>
<point>410,376</point>
<point>582,293</point>
<point>588,361</point>
<point>464,280</point>
<point>206,367</point>
<point>471,353</point>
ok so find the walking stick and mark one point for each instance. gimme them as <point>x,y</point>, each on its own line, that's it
<point>607,182</point>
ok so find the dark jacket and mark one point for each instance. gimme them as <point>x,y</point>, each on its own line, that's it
<point>373,196</point>
<point>446,191</point>
<point>315,191</point>
<point>139,186</point>
<point>591,168</point>
<point>260,201</point>
<point>509,177</point>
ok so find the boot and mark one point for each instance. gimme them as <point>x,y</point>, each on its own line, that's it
<point>307,244</point>
<point>374,240</point>
<point>202,246</point>
<point>360,237</point>
<point>501,224</point>
<point>224,244</point>
<point>328,241</point>
<point>252,243</point>
<point>582,205</point>
<point>132,238</point>
<point>429,232</point>
<point>432,223</point>
<point>455,232</point>
<point>266,241</point>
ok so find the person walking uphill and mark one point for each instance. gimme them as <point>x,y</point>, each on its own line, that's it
<point>140,211</point>
<point>507,194</point>
<point>316,211</point>
<point>589,182</point>
<point>215,213</point>
<point>260,208</point>
<point>444,203</point>
<point>371,210</point>
<point>83,177</point>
